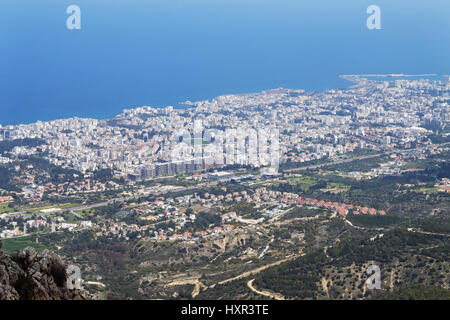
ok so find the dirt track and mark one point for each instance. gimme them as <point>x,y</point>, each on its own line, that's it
<point>269,294</point>
<point>197,285</point>
<point>257,270</point>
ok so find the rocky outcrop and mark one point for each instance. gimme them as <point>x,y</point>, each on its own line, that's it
<point>29,275</point>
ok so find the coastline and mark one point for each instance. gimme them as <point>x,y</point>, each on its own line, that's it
<point>348,79</point>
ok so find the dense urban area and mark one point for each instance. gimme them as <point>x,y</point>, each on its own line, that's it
<point>282,194</point>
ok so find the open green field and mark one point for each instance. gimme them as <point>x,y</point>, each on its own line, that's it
<point>5,209</point>
<point>14,244</point>
<point>69,217</point>
<point>85,212</point>
<point>335,187</point>
<point>304,182</point>
<point>427,190</point>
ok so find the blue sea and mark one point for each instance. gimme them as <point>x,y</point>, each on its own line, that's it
<point>130,53</point>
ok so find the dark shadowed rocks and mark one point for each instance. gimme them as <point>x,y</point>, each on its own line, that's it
<point>29,275</point>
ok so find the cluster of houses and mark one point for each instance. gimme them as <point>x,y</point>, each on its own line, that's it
<point>165,210</point>
<point>6,199</point>
<point>444,185</point>
<point>33,191</point>
<point>151,232</point>
<point>209,232</point>
<point>341,208</point>
<point>168,216</point>
<point>262,194</point>
<point>82,186</point>
<point>58,223</point>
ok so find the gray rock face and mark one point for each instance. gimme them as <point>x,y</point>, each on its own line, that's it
<point>29,275</point>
